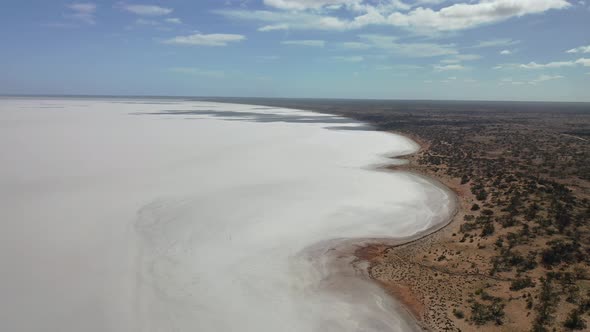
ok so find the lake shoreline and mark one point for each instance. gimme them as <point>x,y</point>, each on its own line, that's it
<point>378,254</point>
<point>362,254</point>
<point>340,255</point>
<point>374,249</point>
<point>403,294</point>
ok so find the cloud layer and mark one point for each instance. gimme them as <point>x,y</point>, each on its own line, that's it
<point>327,14</point>
<point>82,12</point>
<point>197,39</point>
<point>146,10</point>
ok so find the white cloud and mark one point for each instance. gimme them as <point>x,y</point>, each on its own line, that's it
<point>354,58</point>
<point>311,43</point>
<point>83,7</point>
<point>468,15</point>
<point>276,20</point>
<point>146,10</point>
<point>391,45</point>
<point>449,67</point>
<point>505,52</point>
<point>535,81</point>
<point>428,2</point>
<point>449,79</point>
<point>274,27</point>
<point>550,65</point>
<point>545,78</point>
<point>317,14</point>
<point>509,80</point>
<point>500,42</point>
<point>160,24</point>
<point>468,57</point>
<point>82,11</point>
<point>581,49</point>
<point>505,66</point>
<point>398,67</point>
<point>197,39</point>
<point>355,45</point>
<point>557,64</point>
<point>310,4</point>
<point>143,21</point>
<point>461,57</point>
<point>331,5</point>
<point>173,20</point>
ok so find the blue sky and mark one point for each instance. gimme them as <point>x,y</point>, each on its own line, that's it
<point>392,49</point>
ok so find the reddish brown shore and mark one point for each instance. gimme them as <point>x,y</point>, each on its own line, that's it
<point>434,294</point>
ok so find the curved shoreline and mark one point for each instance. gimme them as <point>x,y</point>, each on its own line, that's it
<point>340,262</point>
<point>346,255</point>
<point>347,258</point>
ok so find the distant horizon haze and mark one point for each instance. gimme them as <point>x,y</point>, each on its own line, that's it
<point>236,99</point>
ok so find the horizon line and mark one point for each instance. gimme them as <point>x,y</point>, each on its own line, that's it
<point>288,98</point>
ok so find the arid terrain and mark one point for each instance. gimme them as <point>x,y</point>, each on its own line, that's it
<point>516,255</point>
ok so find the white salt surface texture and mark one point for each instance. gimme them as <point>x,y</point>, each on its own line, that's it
<point>173,215</point>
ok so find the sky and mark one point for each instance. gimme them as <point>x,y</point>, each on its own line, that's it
<point>376,49</point>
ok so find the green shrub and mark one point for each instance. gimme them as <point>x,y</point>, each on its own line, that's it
<point>521,283</point>
<point>487,212</point>
<point>458,313</point>
<point>559,252</point>
<point>575,321</point>
<point>488,229</point>
<point>482,314</point>
<point>481,195</point>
